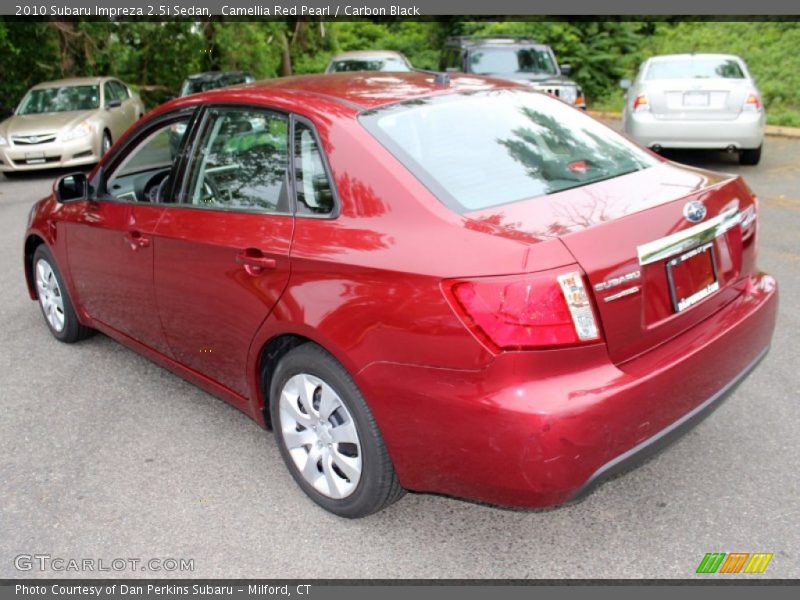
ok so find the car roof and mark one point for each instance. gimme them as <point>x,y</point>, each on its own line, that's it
<point>71,81</point>
<point>357,90</point>
<point>468,41</point>
<point>368,54</point>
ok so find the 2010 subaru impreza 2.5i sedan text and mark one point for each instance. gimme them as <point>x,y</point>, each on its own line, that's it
<point>420,283</point>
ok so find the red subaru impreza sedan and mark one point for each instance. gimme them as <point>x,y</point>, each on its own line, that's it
<point>453,285</point>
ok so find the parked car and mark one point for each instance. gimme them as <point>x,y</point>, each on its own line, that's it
<point>67,123</point>
<point>696,101</point>
<point>211,80</point>
<point>453,285</point>
<point>369,60</point>
<point>518,59</point>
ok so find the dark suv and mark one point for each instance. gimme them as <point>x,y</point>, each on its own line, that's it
<point>211,80</point>
<point>513,58</point>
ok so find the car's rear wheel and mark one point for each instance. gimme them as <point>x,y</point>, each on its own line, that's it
<point>328,437</point>
<point>54,300</point>
<point>750,157</point>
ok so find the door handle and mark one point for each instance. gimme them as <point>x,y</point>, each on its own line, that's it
<point>136,240</point>
<point>254,261</point>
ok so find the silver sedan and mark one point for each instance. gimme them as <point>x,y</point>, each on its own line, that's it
<point>696,101</point>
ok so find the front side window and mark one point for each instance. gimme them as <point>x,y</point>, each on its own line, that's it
<point>61,99</point>
<point>511,61</point>
<point>241,162</point>
<point>118,91</point>
<point>313,188</point>
<point>477,150</point>
<point>695,68</point>
<point>142,175</point>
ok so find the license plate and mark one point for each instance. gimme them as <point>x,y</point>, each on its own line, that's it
<point>33,158</point>
<point>695,99</point>
<point>692,276</point>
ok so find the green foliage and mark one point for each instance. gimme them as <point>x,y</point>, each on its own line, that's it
<point>155,57</point>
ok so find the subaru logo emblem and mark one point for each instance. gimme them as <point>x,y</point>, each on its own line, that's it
<point>34,139</point>
<point>694,211</point>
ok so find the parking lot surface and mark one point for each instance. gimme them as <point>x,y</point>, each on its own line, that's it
<point>105,455</point>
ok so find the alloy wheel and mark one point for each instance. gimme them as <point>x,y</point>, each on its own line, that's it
<point>50,296</point>
<point>320,435</point>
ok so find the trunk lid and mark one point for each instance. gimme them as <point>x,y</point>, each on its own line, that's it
<point>696,99</point>
<point>624,232</point>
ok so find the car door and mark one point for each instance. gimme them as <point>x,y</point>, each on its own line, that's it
<point>129,105</point>
<point>222,255</point>
<point>109,238</point>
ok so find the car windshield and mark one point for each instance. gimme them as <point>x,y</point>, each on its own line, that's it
<point>475,150</point>
<point>509,61</point>
<point>695,68</point>
<point>60,99</point>
<point>371,64</point>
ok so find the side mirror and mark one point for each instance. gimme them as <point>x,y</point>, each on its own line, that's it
<point>72,187</point>
<point>113,103</point>
<point>565,69</point>
<point>625,84</point>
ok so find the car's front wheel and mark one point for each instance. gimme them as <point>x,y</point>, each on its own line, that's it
<point>107,143</point>
<point>54,300</point>
<point>328,437</point>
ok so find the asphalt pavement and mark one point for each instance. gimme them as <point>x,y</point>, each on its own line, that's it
<point>104,455</point>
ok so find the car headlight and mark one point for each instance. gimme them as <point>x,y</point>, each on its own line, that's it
<point>80,130</point>
<point>3,141</point>
<point>569,94</point>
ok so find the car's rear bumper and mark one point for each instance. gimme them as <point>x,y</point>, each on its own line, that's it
<point>538,429</point>
<point>55,155</point>
<point>744,132</point>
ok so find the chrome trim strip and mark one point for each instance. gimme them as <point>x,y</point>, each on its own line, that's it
<point>688,238</point>
<point>622,294</point>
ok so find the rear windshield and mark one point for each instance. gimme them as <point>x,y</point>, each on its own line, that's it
<point>510,61</point>
<point>482,149</point>
<point>695,68</point>
<point>396,65</point>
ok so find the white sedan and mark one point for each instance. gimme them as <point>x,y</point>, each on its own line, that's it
<point>696,101</point>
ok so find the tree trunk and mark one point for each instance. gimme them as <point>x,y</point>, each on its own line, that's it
<point>286,56</point>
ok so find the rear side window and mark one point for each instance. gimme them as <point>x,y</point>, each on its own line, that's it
<point>695,68</point>
<point>475,150</point>
<point>313,187</point>
<point>241,162</point>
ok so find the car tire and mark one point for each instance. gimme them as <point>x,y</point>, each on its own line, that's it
<point>750,157</point>
<point>328,437</point>
<point>106,143</point>
<point>57,309</point>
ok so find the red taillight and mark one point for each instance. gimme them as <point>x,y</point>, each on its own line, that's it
<point>537,310</point>
<point>640,103</point>
<point>752,102</point>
